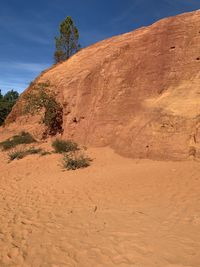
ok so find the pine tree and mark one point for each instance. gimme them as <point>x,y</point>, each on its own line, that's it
<point>67,43</point>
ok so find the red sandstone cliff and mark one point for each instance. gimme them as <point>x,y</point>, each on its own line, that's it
<point>138,92</point>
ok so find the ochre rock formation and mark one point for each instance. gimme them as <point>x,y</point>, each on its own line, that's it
<point>138,92</point>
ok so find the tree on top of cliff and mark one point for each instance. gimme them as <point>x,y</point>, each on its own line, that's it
<point>67,43</point>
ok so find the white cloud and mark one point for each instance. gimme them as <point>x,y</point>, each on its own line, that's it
<point>29,67</point>
<point>6,85</point>
<point>17,75</point>
<point>33,67</point>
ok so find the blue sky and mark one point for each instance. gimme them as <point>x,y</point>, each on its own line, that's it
<point>28,28</point>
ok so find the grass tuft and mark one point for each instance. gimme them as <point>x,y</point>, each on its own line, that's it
<point>75,161</point>
<point>20,154</point>
<point>64,146</point>
<point>22,138</point>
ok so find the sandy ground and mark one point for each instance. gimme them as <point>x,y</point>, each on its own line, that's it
<point>118,212</point>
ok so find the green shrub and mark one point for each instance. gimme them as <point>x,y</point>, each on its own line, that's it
<point>6,103</point>
<point>53,116</point>
<point>75,161</point>
<point>64,146</point>
<point>41,98</point>
<point>33,150</point>
<point>19,154</point>
<point>22,138</point>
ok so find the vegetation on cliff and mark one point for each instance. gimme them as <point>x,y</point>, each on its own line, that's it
<point>43,99</point>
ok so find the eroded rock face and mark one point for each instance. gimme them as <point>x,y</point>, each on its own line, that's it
<point>138,92</point>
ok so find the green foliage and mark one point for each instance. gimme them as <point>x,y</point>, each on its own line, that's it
<point>64,146</point>
<point>59,56</point>
<point>40,99</point>
<point>53,116</point>
<point>22,138</point>
<point>19,154</point>
<point>11,96</point>
<point>67,43</point>
<point>73,157</point>
<point>6,103</point>
<point>5,109</point>
<point>73,161</point>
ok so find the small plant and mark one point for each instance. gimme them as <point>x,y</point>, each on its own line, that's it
<point>22,138</point>
<point>42,98</point>
<point>20,154</point>
<point>53,116</point>
<point>33,150</point>
<point>75,161</point>
<point>64,146</point>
